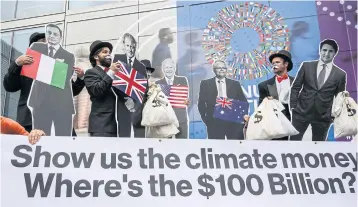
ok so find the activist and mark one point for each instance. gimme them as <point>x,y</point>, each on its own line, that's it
<point>9,126</point>
<point>279,86</point>
<point>313,90</point>
<point>14,82</point>
<point>98,80</point>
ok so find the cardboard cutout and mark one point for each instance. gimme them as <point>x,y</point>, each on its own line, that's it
<point>316,84</point>
<point>132,80</point>
<point>176,88</point>
<point>210,95</point>
<point>49,104</point>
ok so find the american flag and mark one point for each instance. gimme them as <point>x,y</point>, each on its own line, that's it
<point>130,82</point>
<point>230,110</point>
<point>177,94</point>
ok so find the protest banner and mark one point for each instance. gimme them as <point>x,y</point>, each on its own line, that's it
<point>91,172</point>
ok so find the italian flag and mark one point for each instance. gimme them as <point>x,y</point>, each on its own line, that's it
<point>45,69</point>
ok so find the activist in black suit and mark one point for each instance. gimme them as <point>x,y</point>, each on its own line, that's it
<point>279,86</point>
<point>98,80</point>
<point>14,82</point>
<point>124,111</point>
<point>169,69</point>
<point>210,89</point>
<point>312,92</point>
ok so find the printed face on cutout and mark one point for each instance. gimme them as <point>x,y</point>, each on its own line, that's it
<point>104,57</point>
<point>53,35</point>
<point>129,47</point>
<point>327,53</point>
<point>280,65</point>
<point>220,70</point>
<point>168,68</point>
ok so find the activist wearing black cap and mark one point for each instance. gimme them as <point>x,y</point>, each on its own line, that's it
<point>102,119</point>
<point>284,54</point>
<point>278,87</point>
<point>96,48</point>
<point>15,82</point>
<point>37,37</point>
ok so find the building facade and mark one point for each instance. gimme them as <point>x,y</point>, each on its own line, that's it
<point>297,26</point>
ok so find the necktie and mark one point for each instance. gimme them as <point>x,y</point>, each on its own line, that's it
<point>220,88</point>
<point>130,63</point>
<point>281,78</point>
<point>106,70</point>
<point>51,51</point>
<point>321,76</point>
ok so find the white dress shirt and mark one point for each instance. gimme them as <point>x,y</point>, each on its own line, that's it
<point>169,81</point>
<point>328,69</point>
<point>109,72</point>
<point>283,90</point>
<point>221,93</point>
<point>56,47</point>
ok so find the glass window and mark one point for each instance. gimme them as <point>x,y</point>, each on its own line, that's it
<point>76,5</point>
<point>37,8</point>
<point>21,40</point>
<point>7,10</point>
<point>5,62</point>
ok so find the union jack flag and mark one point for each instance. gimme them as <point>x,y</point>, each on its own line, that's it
<point>130,82</point>
<point>176,94</point>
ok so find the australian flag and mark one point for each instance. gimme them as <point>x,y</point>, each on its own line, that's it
<point>130,82</point>
<point>230,110</point>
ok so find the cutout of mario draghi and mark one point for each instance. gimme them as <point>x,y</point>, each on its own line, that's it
<point>51,95</point>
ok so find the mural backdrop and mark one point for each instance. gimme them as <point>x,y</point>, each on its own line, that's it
<point>244,34</point>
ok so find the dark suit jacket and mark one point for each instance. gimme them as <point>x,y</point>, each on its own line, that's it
<point>311,97</point>
<point>138,66</point>
<point>103,110</point>
<point>208,93</point>
<point>14,82</point>
<point>181,113</point>
<point>268,88</point>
